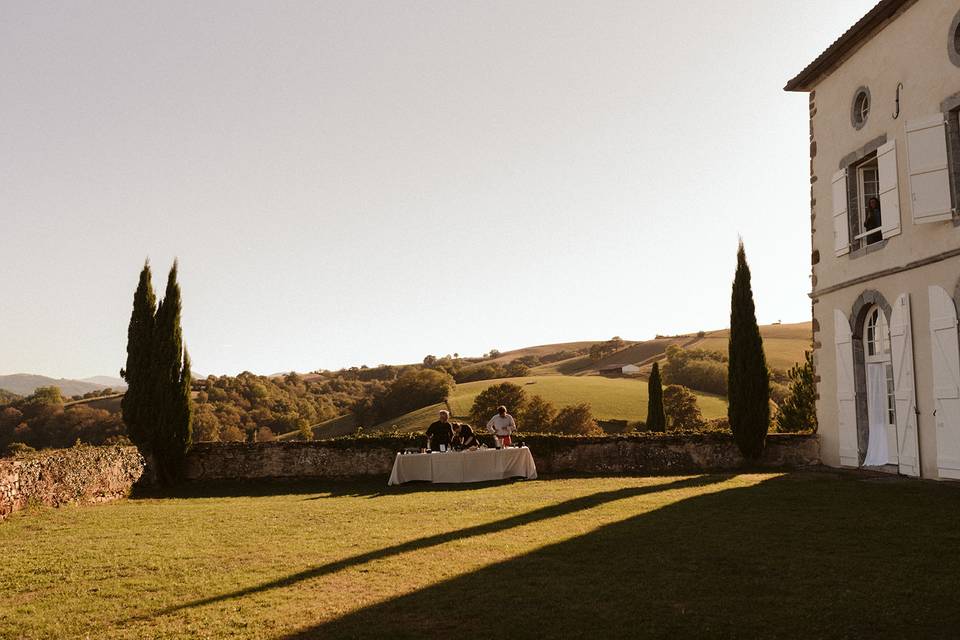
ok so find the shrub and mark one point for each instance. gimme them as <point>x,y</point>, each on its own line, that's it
<point>512,396</point>
<point>15,449</point>
<point>538,415</point>
<point>576,419</point>
<point>798,411</point>
<point>680,406</point>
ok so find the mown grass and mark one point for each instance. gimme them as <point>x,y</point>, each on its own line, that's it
<point>609,398</point>
<point>772,556</point>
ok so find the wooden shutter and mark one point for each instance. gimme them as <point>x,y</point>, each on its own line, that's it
<point>841,225</point>
<point>889,193</point>
<point>901,345</point>
<point>946,381</point>
<point>927,165</point>
<point>846,404</point>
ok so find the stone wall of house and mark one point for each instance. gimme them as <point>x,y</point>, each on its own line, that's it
<point>80,475</point>
<point>630,455</point>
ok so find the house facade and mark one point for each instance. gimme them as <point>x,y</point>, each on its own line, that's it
<point>884,197</point>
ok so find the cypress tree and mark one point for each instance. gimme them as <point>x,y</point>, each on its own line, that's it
<point>171,391</point>
<point>138,372</point>
<point>748,379</point>
<point>656,417</point>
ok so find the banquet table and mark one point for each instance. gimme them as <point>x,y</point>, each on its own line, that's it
<point>464,466</point>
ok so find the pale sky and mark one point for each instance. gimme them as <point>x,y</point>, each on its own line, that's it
<point>351,183</point>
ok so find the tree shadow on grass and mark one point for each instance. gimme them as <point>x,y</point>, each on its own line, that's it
<point>318,489</point>
<point>797,556</point>
<point>544,513</point>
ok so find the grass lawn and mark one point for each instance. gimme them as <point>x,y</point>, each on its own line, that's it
<point>775,556</point>
<point>610,398</point>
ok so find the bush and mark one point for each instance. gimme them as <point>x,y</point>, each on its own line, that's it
<point>15,449</point>
<point>576,419</point>
<point>681,408</point>
<point>512,396</point>
<point>538,415</point>
<point>798,411</point>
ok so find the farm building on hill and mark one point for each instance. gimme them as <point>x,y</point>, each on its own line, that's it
<point>619,369</point>
<point>885,188</point>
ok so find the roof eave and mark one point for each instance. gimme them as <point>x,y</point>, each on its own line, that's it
<point>864,29</point>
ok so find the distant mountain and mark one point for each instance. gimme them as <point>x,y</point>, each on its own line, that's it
<point>107,381</point>
<point>25,383</point>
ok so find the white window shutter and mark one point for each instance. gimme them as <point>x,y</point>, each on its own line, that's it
<point>889,193</point>
<point>927,165</point>
<point>846,400</point>
<point>904,387</point>
<point>841,225</point>
<point>946,381</point>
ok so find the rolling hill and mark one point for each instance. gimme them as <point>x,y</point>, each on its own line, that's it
<point>24,384</point>
<point>610,399</point>
<point>783,344</point>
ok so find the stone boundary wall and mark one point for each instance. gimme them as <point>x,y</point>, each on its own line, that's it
<point>81,475</point>
<point>628,455</point>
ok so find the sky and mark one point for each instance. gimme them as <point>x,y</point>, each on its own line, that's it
<point>359,182</point>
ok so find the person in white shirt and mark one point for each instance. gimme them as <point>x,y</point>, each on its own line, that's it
<point>502,426</point>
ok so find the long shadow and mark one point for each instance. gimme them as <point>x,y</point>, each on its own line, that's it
<point>801,556</point>
<point>544,513</point>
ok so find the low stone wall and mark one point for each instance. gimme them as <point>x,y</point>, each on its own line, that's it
<point>629,455</point>
<point>80,475</point>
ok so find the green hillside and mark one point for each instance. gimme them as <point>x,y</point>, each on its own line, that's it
<point>783,344</point>
<point>611,398</point>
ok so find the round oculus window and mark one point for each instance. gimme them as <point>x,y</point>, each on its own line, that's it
<point>953,40</point>
<point>860,109</point>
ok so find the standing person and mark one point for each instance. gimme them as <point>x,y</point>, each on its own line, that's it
<point>873,220</point>
<point>502,426</point>
<point>440,432</point>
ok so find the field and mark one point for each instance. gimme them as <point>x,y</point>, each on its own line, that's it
<point>714,556</point>
<point>610,398</point>
<point>783,344</point>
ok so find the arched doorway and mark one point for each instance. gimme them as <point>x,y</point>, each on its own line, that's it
<point>878,381</point>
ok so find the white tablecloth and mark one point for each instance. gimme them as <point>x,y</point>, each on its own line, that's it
<point>464,466</point>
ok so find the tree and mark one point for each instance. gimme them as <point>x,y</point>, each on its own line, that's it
<point>171,400</point>
<point>748,383</point>
<point>413,389</point>
<point>576,419</point>
<point>137,404</point>
<point>680,407</point>
<point>304,428</point>
<point>799,410</point>
<point>538,415</point>
<point>512,396</point>
<point>656,418</point>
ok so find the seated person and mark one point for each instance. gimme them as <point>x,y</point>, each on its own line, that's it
<point>440,432</point>
<point>464,437</point>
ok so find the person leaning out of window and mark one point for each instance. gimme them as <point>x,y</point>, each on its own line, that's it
<point>871,220</point>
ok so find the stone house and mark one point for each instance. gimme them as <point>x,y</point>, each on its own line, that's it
<point>884,194</point>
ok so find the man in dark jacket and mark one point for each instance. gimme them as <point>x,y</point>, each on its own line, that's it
<point>440,432</point>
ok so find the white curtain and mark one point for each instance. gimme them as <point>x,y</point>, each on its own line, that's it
<point>877,451</point>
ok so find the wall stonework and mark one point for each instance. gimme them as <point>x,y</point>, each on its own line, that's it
<point>81,475</point>
<point>643,455</point>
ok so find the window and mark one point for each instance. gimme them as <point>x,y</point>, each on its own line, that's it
<point>861,108</point>
<point>868,201</point>
<point>876,350</point>
<point>953,40</point>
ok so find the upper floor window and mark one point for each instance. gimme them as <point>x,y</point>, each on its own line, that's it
<point>860,109</point>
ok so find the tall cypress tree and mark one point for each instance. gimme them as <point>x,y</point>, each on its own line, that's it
<point>137,402</point>
<point>748,379</point>
<point>656,417</point>
<point>171,394</point>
